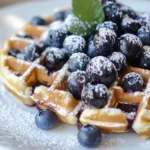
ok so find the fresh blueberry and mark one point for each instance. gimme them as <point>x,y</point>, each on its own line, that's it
<point>89,136</point>
<point>59,16</point>
<point>37,21</point>
<point>13,52</point>
<point>74,44</point>
<point>144,35</point>
<point>45,119</point>
<point>126,10</point>
<point>119,60</point>
<point>91,50</point>
<point>132,82</point>
<point>55,35</point>
<point>76,81</point>
<point>144,61</point>
<point>130,46</point>
<point>78,61</point>
<point>95,95</point>
<point>113,13</point>
<point>54,58</point>
<point>108,24</point>
<point>68,12</point>
<point>105,41</point>
<point>21,56</point>
<point>101,70</point>
<point>31,52</point>
<point>129,25</point>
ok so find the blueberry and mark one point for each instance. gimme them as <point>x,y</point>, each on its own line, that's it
<point>105,41</point>
<point>144,35</point>
<point>74,44</point>
<point>91,50</point>
<point>144,61</point>
<point>89,136</point>
<point>119,60</point>
<point>31,52</point>
<point>130,46</point>
<point>37,21</point>
<point>101,70</point>
<point>106,2</point>
<point>13,52</point>
<point>45,119</point>
<point>59,16</point>
<point>54,58</point>
<point>78,61</point>
<point>55,35</point>
<point>113,13</point>
<point>128,11</point>
<point>21,56</point>
<point>132,82</point>
<point>108,24</point>
<point>68,12</point>
<point>129,25</point>
<point>95,95</point>
<point>76,81</point>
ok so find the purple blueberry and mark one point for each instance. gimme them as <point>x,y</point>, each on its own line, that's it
<point>113,13</point>
<point>95,95</point>
<point>74,44</point>
<point>78,61</point>
<point>144,19</point>
<point>21,56</point>
<point>144,61</point>
<point>105,41</point>
<point>89,136</point>
<point>31,52</point>
<point>55,35</point>
<point>45,119</point>
<point>37,21</point>
<point>13,52</point>
<point>54,58</point>
<point>129,25</point>
<point>108,24</point>
<point>101,70</point>
<point>76,81</point>
<point>131,46</point>
<point>119,60</point>
<point>144,35</point>
<point>59,16</point>
<point>126,10</point>
<point>132,82</point>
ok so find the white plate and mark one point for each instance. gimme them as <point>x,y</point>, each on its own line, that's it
<point>17,128</point>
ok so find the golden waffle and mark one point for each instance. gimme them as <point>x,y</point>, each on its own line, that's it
<point>112,119</point>
<point>19,77</point>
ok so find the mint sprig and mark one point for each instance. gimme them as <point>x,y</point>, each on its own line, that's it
<point>86,15</point>
<point>88,10</point>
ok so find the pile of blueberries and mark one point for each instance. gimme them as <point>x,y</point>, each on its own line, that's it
<point>96,61</point>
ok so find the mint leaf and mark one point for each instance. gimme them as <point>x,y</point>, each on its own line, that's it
<point>88,10</point>
<point>78,27</point>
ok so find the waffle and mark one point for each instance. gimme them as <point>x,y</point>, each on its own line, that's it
<point>19,77</point>
<point>112,119</point>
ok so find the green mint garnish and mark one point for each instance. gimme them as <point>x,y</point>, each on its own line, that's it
<point>88,10</point>
<point>87,14</point>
